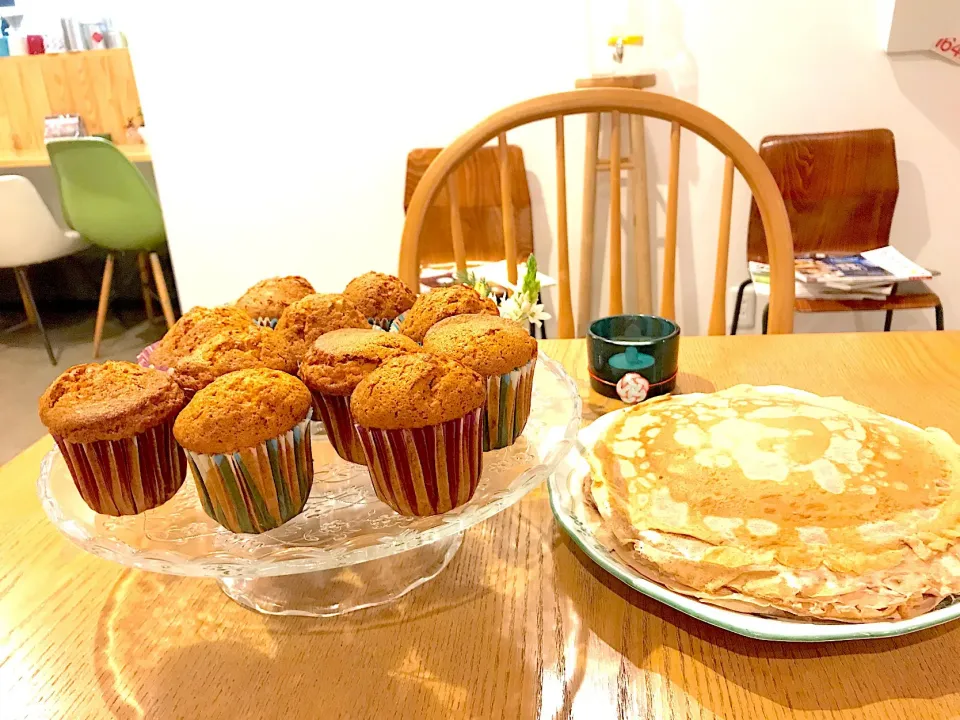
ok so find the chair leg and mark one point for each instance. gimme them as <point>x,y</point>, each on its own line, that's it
<point>145,285</point>
<point>888,321</point>
<point>102,306</point>
<point>31,307</point>
<point>766,317</point>
<point>25,296</point>
<point>736,306</point>
<point>162,289</point>
<point>938,314</point>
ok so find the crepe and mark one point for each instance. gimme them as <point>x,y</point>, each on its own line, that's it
<point>780,502</point>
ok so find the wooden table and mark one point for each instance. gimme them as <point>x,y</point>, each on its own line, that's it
<point>39,158</point>
<point>520,625</point>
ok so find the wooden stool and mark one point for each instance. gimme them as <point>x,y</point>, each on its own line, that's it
<point>636,163</point>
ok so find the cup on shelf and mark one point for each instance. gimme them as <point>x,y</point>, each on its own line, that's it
<point>35,45</point>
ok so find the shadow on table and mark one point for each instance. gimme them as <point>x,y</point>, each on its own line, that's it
<point>176,647</point>
<point>702,662</point>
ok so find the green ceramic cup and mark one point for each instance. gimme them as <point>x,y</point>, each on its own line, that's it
<point>633,357</point>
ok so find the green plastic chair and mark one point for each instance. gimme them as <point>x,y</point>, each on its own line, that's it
<point>106,199</point>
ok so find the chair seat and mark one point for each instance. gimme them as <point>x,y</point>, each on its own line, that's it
<point>918,297</point>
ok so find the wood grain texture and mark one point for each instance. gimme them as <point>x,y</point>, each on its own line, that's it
<point>456,225</point>
<point>99,86</point>
<point>635,102</point>
<point>641,215</point>
<point>520,625</point>
<point>506,207</point>
<point>668,293</point>
<point>906,301</point>
<point>481,219</point>
<point>616,248</point>
<point>840,190</point>
<point>564,302</point>
<point>718,308</point>
<point>634,82</point>
<point>588,221</point>
<point>102,304</point>
<point>164,296</point>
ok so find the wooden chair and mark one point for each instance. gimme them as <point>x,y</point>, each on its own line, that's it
<point>470,203</point>
<point>840,190</point>
<point>739,154</point>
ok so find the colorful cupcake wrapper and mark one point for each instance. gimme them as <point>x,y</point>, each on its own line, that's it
<point>260,488</point>
<point>381,323</point>
<point>425,471</point>
<point>143,358</point>
<point>508,406</point>
<point>127,477</point>
<point>334,411</point>
<point>270,322</point>
<point>397,322</point>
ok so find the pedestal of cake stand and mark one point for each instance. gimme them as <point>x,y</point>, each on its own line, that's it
<point>345,589</point>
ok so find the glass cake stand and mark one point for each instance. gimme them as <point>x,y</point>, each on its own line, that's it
<point>346,550</point>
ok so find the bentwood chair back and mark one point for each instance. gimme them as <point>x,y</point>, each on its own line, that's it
<point>840,190</point>
<point>106,199</point>
<point>471,205</point>
<point>681,115</point>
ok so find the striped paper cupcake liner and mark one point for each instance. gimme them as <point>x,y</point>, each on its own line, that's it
<point>334,411</point>
<point>425,471</point>
<point>260,488</point>
<point>267,322</point>
<point>127,477</point>
<point>508,406</point>
<point>143,358</point>
<point>380,323</point>
<point>395,324</point>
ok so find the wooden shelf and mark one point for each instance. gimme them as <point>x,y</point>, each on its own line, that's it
<point>39,158</point>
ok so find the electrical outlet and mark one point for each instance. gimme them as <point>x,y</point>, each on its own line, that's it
<point>748,307</point>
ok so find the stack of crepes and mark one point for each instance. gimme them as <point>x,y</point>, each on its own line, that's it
<point>777,502</point>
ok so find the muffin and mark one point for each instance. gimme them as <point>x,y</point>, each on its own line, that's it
<point>441,303</point>
<point>266,301</point>
<point>188,332</point>
<point>331,370</point>
<point>310,317</point>
<point>418,418</point>
<point>113,423</point>
<point>248,444</point>
<point>252,347</point>
<point>381,298</point>
<point>504,354</point>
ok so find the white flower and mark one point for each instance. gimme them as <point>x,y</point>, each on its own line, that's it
<point>520,308</point>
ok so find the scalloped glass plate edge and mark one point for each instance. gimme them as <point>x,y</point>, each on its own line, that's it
<point>573,470</point>
<point>217,566</point>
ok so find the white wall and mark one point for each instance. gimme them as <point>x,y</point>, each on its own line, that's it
<point>292,160</point>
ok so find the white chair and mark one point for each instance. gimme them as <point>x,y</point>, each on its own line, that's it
<point>29,235</point>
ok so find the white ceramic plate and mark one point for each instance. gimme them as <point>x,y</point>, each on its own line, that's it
<point>567,503</point>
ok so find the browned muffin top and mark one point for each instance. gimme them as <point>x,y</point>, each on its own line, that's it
<point>108,401</point>
<point>342,358</point>
<point>240,410</point>
<point>270,297</point>
<point>253,347</point>
<point>489,345</point>
<point>441,303</point>
<point>379,296</point>
<point>193,328</point>
<point>416,390</point>
<point>309,318</point>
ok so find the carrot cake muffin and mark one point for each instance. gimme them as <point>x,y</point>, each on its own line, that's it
<point>266,300</point>
<point>331,370</point>
<point>312,316</point>
<point>196,326</point>
<point>113,424</point>
<point>252,347</point>
<point>380,297</point>
<point>440,303</point>
<point>504,354</point>
<point>418,418</point>
<point>248,442</point>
